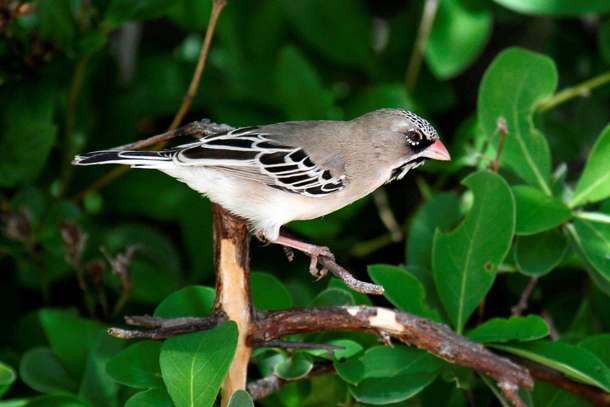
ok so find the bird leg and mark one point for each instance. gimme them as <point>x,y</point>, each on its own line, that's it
<point>312,250</point>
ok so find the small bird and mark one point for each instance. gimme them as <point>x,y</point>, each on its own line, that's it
<point>273,174</point>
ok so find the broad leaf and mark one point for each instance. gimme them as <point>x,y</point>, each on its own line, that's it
<point>7,377</point>
<point>537,255</point>
<point>465,260</point>
<point>269,293</point>
<point>402,289</point>
<point>537,212</point>
<point>241,398</point>
<point>543,392</point>
<point>512,329</point>
<point>442,211</point>
<point>194,365</point>
<point>137,365</point>
<point>460,31</point>
<point>556,7</point>
<point>42,371</point>
<point>189,301</point>
<point>573,361</point>
<point>599,345</point>
<point>594,183</point>
<point>393,389</point>
<point>532,77</point>
<point>150,398</point>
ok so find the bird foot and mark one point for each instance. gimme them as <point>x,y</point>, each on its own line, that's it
<point>313,251</point>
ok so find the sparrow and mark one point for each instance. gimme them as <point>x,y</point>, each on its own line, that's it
<point>277,173</point>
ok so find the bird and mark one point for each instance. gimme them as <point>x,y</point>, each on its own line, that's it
<point>273,174</point>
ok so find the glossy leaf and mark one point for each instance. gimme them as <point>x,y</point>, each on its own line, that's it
<point>194,365</point>
<point>599,345</point>
<point>538,254</point>
<point>241,398</point>
<point>42,371</point>
<point>150,398</point>
<point>402,289</point>
<point>594,183</point>
<point>532,77</point>
<point>515,328</point>
<point>537,212</point>
<point>393,389</point>
<point>137,365</point>
<point>593,238</point>
<point>442,211</point>
<point>295,367</point>
<point>7,377</point>
<point>465,260</point>
<point>189,301</point>
<point>269,293</point>
<point>460,31</point>
<point>556,7</point>
<point>573,361</point>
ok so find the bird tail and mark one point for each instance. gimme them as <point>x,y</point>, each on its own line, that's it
<point>136,159</point>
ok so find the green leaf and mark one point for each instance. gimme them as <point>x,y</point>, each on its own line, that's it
<point>465,260</point>
<point>27,132</point>
<point>295,367</point>
<point>191,14</point>
<point>194,365</point>
<point>57,401</point>
<point>594,183</point>
<point>513,84</point>
<point>7,377</point>
<point>56,22</point>
<point>442,211</point>
<point>97,387</point>
<point>593,238</point>
<point>599,345</point>
<point>349,348</point>
<point>537,212</point>
<point>299,91</point>
<point>556,7</point>
<point>515,328</point>
<point>150,398</point>
<point>379,96</point>
<point>460,31</point>
<point>538,254</point>
<point>402,289</point>
<point>137,365</point>
<point>241,398</point>
<point>332,297</point>
<point>121,11</point>
<point>42,371</point>
<point>348,43</point>
<point>194,300</point>
<point>573,361</point>
<point>393,389</point>
<point>543,392</point>
<point>269,293</point>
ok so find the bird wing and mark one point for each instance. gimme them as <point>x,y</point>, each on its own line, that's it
<point>253,154</point>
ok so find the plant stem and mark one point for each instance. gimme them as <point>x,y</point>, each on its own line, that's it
<point>582,89</point>
<point>423,33</point>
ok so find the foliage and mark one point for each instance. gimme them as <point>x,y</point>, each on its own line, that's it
<point>81,75</point>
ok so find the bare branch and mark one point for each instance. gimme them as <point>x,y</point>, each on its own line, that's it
<point>522,305</point>
<point>349,280</point>
<point>166,328</point>
<point>264,387</point>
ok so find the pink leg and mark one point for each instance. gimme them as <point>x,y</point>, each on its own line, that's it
<point>312,250</point>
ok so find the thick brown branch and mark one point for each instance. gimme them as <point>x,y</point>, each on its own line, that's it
<point>264,387</point>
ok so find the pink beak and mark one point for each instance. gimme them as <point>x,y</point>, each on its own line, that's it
<point>437,151</point>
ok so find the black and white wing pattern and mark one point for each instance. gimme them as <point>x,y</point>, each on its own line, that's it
<point>250,153</point>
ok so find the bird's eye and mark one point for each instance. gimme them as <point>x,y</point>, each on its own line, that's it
<point>414,137</point>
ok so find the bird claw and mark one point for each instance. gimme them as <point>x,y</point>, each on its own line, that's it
<point>289,253</point>
<point>315,254</point>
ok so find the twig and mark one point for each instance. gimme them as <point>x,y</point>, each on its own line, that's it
<point>217,7</point>
<point>553,332</point>
<point>349,280</point>
<point>387,216</point>
<point>278,343</point>
<point>582,89</point>
<point>423,33</point>
<point>521,306</point>
<point>165,328</point>
<point>264,387</point>
<point>502,129</point>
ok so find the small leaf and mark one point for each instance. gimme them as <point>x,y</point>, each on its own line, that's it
<point>194,365</point>
<point>42,371</point>
<point>573,361</point>
<point>295,367</point>
<point>150,398</point>
<point>349,348</point>
<point>465,260</point>
<point>513,84</point>
<point>537,255</point>
<point>537,212</point>
<point>332,297</point>
<point>137,365</point>
<point>515,328</point>
<point>7,377</point>
<point>393,389</point>
<point>442,211</point>
<point>460,31</point>
<point>268,292</point>
<point>594,183</point>
<point>402,289</point>
<point>593,239</point>
<point>193,300</point>
<point>241,398</point>
<point>556,7</point>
